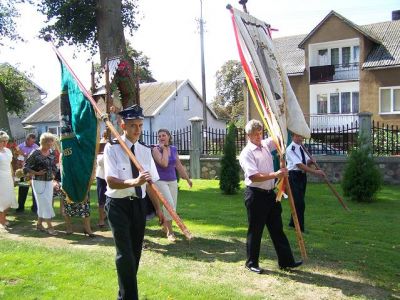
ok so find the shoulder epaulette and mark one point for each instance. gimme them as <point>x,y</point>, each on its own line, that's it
<point>114,142</point>
<point>142,143</point>
<point>293,148</point>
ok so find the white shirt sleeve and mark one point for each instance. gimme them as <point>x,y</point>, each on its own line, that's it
<point>110,162</point>
<point>248,163</point>
<point>153,171</point>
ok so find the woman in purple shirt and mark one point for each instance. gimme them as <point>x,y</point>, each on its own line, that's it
<point>167,162</point>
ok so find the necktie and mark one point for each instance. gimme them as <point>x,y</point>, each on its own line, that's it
<point>135,174</point>
<point>303,157</point>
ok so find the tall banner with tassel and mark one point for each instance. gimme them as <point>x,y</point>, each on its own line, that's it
<point>271,93</point>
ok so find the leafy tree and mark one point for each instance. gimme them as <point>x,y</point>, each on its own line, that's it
<point>229,100</point>
<point>13,94</point>
<point>8,14</point>
<point>229,179</point>
<point>142,61</point>
<point>95,25</point>
<point>361,178</point>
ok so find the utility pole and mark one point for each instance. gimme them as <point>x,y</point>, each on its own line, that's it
<point>203,72</point>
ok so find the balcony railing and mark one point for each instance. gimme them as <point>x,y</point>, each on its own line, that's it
<point>327,73</point>
<point>326,121</point>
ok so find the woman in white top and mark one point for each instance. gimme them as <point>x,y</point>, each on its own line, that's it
<point>7,196</point>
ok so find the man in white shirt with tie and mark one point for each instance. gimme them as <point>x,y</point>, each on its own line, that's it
<point>298,164</point>
<point>125,206</point>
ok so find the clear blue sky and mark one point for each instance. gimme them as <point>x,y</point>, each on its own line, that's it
<point>169,36</point>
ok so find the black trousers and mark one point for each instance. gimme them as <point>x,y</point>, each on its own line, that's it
<point>22,194</point>
<point>298,183</point>
<point>127,219</point>
<point>263,210</point>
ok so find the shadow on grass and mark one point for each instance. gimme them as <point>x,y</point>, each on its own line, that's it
<point>198,249</point>
<point>348,287</point>
<point>24,225</point>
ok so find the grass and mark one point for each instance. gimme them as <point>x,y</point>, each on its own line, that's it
<point>351,255</point>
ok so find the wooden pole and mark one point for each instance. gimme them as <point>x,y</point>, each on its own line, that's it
<point>340,199</point>
<point>105,119</point>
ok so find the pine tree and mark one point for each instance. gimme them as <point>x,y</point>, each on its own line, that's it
<point>361,179</point>
<point>229,178</point>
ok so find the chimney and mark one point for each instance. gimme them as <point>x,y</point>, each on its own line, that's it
<point>395,15</point>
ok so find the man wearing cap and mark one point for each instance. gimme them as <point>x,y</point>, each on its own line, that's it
<point>125,206</point>
<point>298,164</point>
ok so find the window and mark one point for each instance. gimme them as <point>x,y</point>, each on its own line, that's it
<point>323,57</point>
<point>396,100</point>
<point>186,103</point>
<point>355,102</point>
<point>389,100</point>
<point>322,104</point>
<point>345,56</point>
<point>334,103</point>
<point>53,130</point>
<point>334,56</point>
<point>345,101</point>
<point>356,55</point>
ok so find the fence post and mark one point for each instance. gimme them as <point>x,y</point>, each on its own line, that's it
<point>196,146</point>
<point>366,125</point>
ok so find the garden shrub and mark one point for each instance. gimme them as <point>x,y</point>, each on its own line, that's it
<point>362,179</point>
<point>229,177</point>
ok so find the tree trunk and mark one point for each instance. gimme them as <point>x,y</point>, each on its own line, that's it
<point>4,123</point>
<point>110,30</point>
<point>111,39</point>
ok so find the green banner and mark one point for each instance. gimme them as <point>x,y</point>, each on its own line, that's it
<point>79,135</point>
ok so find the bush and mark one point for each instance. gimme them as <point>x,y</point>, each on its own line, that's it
<point>361,179</point>
<point>229,177</point>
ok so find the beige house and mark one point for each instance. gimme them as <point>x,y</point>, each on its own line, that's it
<point>340,69</point>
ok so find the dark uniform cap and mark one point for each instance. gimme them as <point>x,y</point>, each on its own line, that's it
<point>132,113</point>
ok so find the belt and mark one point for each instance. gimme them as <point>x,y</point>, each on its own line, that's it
<point>124,198</point>
<point>261,190</point>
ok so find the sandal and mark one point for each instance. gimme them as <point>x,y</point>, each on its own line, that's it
<point>171,237</point>
<point>40,227</point>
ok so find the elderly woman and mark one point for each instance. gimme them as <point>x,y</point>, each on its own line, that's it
<point>7,196</point>
<point>41,166</point>
<point>167,162</point>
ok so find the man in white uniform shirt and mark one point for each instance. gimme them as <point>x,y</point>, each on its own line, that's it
<point>298,164</point>
<point>125,206</point>
<point>260,199</point>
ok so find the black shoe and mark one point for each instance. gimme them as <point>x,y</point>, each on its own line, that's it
<point>292,266</point>
<point>257,270</point>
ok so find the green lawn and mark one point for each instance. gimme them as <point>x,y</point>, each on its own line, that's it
<point>352,255</point>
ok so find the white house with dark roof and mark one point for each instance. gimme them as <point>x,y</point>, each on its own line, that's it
<point>167,105</point>
<point>340,69</point>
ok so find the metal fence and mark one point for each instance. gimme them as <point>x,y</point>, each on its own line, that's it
<point>333,141</point>
<point>385,139</point>
<point>339,140</point>
<point>181,138</point>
